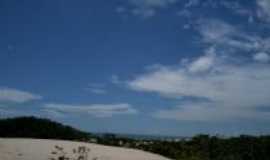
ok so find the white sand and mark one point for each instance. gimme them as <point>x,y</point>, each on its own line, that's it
<point>37,149</point>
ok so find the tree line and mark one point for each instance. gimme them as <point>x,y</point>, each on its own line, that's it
<point>201,147</point>
<point>32,127</point>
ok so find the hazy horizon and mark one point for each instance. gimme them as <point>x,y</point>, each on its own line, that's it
<point>146,67</point>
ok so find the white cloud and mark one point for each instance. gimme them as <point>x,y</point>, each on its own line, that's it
<point>152,3</point>
<point>202,64</point>
<point>261,57</point>
<point>231,91</point>
<point>97,110</point>
<point>219,33</point>
<point>214,30</point>
<point>210,3</point>
<point>52,113</point>
<point>186,26</point>
<point>209,112</point>
<point>229,38</point>
<point>148,8</point>
<point>115,79</point>
<point>263,9</point>
<point>184,13</point>
<point>17,96</point>
<point>234,6</point>
<point>192,3</point>
<point>237,8</point>
<point>120,9</point>
<point>96,88</point>
<point>144,12</point>
<point>223,84</point>
<point>250,19</point>
<point>6,111</point>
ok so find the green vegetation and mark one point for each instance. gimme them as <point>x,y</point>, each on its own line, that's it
<point>204,147</point>
<point>31,127</point>
<point>201,147</point>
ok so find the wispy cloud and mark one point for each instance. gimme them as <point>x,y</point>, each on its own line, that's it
<point>96,88</point>
<point>202,64</point>
<point>222,34</point>
<point>226,86</point>
<point>17,96</point>
<point>96,110</point>
<point>235,7</point>
<point>115,79</point>
<point>230,90</point>
<point>192,3</point>
<point>6,111</point>
<point>210,112</point>
<point>146,8</point>
<point>262,57</point>
<point>52,113</point>
<point>263,11</point>
<point>229,38</point>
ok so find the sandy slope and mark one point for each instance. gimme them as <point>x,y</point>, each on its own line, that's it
<point>36,149</point>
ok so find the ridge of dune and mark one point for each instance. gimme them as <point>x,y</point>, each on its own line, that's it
<point>42,149</point>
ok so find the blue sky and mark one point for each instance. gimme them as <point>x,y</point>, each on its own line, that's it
<point>168,67</point>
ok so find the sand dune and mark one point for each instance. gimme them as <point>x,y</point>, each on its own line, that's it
<point>37,149</point>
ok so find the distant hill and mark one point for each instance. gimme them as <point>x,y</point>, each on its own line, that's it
<point>32,127</point>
